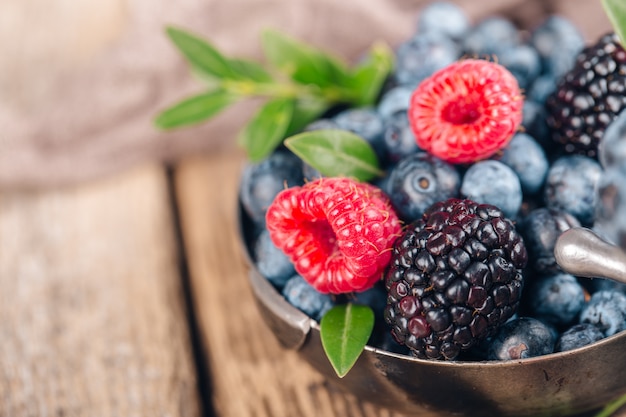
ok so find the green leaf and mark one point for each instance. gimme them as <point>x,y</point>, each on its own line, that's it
<point>249,70</point>
<point>336,152</point>
<point>200,54</point>
<point>616,12</point>
<point>305,112</point>
<point>194,109</point>
<point>345,330</point>
<point>302,62</point>
<point>267,128</point>
<point>369,76</point>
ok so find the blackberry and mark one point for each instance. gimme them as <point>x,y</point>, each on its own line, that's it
<point>455,276</point>
<point>589,97</point>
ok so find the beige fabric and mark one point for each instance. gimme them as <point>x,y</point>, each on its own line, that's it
<point>81,81</point>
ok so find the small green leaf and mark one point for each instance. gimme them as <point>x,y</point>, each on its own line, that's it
<point>305,112</point>
<point>194,109</point>
<point>302,62</point>
<point>369,76</point>
<point>267,128</point>
<point>616,11</point>
<point>249,70</point>
<point>336,152</point>
<point>345,330</point>
<point>200,54</point>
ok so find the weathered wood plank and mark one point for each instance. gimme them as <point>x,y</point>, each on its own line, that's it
<point>252,374</point>
<point>91,308</point>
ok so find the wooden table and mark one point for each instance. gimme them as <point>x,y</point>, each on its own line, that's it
<point>128,296</point>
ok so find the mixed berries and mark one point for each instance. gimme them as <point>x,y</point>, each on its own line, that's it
<point>494,141</point>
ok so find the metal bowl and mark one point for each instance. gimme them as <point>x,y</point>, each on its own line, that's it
<point>557,384</point>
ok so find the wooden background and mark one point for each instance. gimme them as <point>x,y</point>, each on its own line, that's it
<point>123,290</point>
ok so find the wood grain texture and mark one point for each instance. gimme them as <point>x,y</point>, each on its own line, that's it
<point>252,374</point>
<point>91,308</point>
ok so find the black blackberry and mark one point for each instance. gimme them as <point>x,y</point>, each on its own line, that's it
<point>454,277</point>
<point>589,97</point>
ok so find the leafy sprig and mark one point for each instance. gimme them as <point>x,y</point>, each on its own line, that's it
<point>299,83</point>
<point>616,12</point>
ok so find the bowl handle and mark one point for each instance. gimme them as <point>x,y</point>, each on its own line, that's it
<point>581,252</point>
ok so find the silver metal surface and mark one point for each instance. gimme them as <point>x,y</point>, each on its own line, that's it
<point>581,252</point>
<point>557,384</point>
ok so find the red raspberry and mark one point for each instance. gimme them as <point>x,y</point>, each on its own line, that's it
<point>466,111</point>
<point>336,231</point>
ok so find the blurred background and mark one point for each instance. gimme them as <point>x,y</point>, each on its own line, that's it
<point>80,82</point>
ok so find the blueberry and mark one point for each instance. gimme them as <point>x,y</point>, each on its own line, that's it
<point>610,214</point>
<point>418,181</point>
<point>395,100</point>
<point>556,299</point>
<point>365,122</point>
<point>600,284</point>
<point>271,262</point>
<point>492,182</point>
<point>527,158</point>
<point>578,335</point>
<point>305,298</point>
<point>558,42</point>
<point>534,124</point>
<point>540,229</point>
<point>541,88</point>
<point>606,310</point>
<point>491,36</point>
<point>444,18</point>
<point>612,147</point>
<point>399,139</point>
<point>261,182</point>
<point>421,56</point>
<point>572,185</point>
<point>321,124</point>
<point>524,63</point>
<point>522,338</point>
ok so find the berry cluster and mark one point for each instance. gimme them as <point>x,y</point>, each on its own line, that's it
<point>487,161</point>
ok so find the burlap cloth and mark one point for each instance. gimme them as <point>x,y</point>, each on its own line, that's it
<point>80,81</point>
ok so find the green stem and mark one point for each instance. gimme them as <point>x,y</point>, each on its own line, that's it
<point>288,90</point>
<point>612,407</point>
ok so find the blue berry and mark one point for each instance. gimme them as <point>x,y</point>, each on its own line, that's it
<point>524,63</point>
<point>261,182</point>
<point>490,37</point>
<point>540,228</point>
<point>365,122</point>
<point>558,42</point>
<point>534,124</point>
<point>578,335</point>
<point>399,138</point>
<point>393,101</point>
<point>492,182</point>
<point>612,147</point>
<point>606,310</point>
<point>522,338</point>
<point>600,284</point>
<point>271,262</point>
<point>421,56</point>
<point>418,181</point>
<point>556,299</point>
<point>321,124</point>
<point>527,158</point>
<point>305,298</point>
<point>610,215</point>
<point>445,18</point>
<point>541,88</point>
<point>571,186</point>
